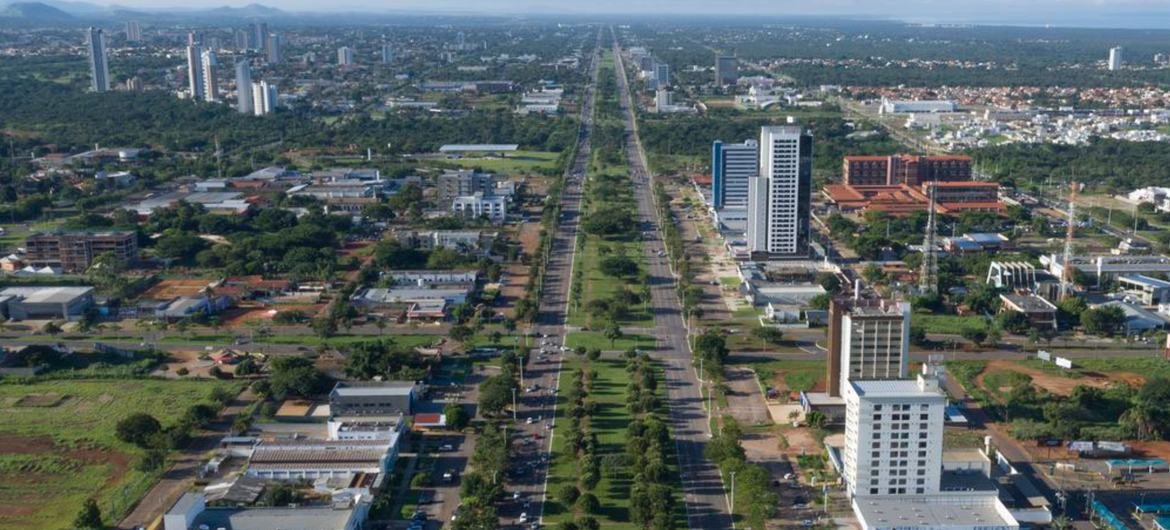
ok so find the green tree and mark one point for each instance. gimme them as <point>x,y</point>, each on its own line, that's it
<point>457,416</point>
<point>138,429</point>
<point>613,332</point>
<point>1104,321</point>
<point>90,517</point>
<point>295,376</point>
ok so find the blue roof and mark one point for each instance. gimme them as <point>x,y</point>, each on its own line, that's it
<point>985,237</point>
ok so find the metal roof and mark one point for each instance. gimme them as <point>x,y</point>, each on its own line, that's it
<point>457,148</point>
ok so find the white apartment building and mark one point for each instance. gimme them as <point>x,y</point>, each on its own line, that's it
<point>195,71</point>
<point>1115,58</point>
<point>99,70</point>
<point>494,207</point>
<point>344,56</point>
<point>208,63</point>
<point>779,197</point>
<point>875,341</point>
<point>244,87</point>
<point>263,98</point>
<point>893,436</point>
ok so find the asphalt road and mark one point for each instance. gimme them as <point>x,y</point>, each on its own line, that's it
<point>703,490</point>
<point>531,455</point>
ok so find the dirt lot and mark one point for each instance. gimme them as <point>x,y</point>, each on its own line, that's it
<point>168,289</point>
<point>1055,384</point>
<point>19,498</point>
<point>239,316</point>
<point>744,399</point>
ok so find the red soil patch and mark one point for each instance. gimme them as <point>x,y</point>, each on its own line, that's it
<point>1061,386</point>
<point>22,506</point>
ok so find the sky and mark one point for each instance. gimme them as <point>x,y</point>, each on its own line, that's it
<point>1096,13</point>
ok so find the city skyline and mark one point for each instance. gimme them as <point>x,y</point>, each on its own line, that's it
<point>1068,13</point>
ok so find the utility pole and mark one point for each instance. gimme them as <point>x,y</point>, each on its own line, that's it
<point>732,507</point>
<point>513,404</point>
<point>1066,274</point>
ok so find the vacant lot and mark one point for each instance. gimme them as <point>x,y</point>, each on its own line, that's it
<point>1000,375</point>
<point>57,445</point>
<point>516,163</point>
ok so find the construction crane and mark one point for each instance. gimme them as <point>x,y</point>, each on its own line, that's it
<point>1066,279</point>
<point>928,279</point>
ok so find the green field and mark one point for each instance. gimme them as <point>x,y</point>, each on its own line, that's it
<point>57,446</point>
<point>598,286</point>
<point>513,163</point>
<point>948,324</point>
<point>609,422</point>
<point>594,339</point>
<point>797,375</point>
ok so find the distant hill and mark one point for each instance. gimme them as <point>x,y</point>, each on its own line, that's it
<point>34,11</point>
<point>250,10</point>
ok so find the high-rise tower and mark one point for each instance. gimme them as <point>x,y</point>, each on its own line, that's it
<point>98,69</point>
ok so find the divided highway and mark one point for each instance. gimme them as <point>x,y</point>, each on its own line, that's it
<point>703,491</point>
<point>537,402</point>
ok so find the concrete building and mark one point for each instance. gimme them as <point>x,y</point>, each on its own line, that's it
<point>661,76</point>
<point>209,63</point>
<point>75,251</point>
<point>893,436</point>
<point>244,99</point>
<point>1107,267</point>
<point>263,98</point>
<point>25,303</point>
<point>452,184</point>
<point>726,70</point>
<point>872,340</point>
<point>374,398</point>
<point>345,56</point>
<point>259,37</point>
<point>133,32</point>
<point>195,86</point>
<point>301,460</point>
<point>99,70</point>
<point>732,167</point>
<point>905,169</point>
<point>191,512</point>
<point>274,49</point>
<point>387,54</point>
<point>890,106</point>
<point>477,205</point>
<point>1012,275</point>
<point>1115,59</point>
<point>1151,291</point>
<point>1040,312</point>
<point>779,197</point>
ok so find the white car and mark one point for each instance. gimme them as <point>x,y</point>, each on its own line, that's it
<point>523,517</point>
<point>515,495</point>
<point>529,421</point>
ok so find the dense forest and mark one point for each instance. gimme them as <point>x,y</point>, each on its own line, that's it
<point>1104,165</point>
<point>39,112</point>
<point>692,136</point>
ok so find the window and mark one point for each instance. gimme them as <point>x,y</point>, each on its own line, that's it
<point>877,407</point>
<point>873,491</point>
<point>922,435</point>
<point>920,481</point>
<point>922,445</point>
<point>877,445</point>
<point>921,472</point>
<point>919,490</point>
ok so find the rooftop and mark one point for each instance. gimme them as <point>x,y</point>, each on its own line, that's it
<point>456,148</point>
<point>300,518</point>
<point>913,512</point>
<point>46,295</point>
<point>1146,280</point>
<point>1028,303</point>
<point>892,388</point>
<point>374,388</point>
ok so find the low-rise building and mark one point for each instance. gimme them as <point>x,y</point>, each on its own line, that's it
<point>299,460</point>
<point>492,207</point>
<point>1104,268</point>
<point>75,251</point>
<point>1040,312</point>
<point>1151,291</point>
<point>25,303</point>
<point>374,398</point>
<point>191,512</point>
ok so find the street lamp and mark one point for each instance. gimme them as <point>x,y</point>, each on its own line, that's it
<point>732,507</point>
<point>513,404</point>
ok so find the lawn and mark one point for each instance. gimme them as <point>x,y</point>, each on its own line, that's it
<point>598,285</point>
<point>57,445</point>
<point>948,324</point>
<point>594,339</point>
<point>609,423</point>
<point>798,376</point>
<point>513,163</point>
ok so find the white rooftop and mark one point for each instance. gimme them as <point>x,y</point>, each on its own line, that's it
<point>46,295</point>
<point>934,512</point>
<point>891,388</point>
